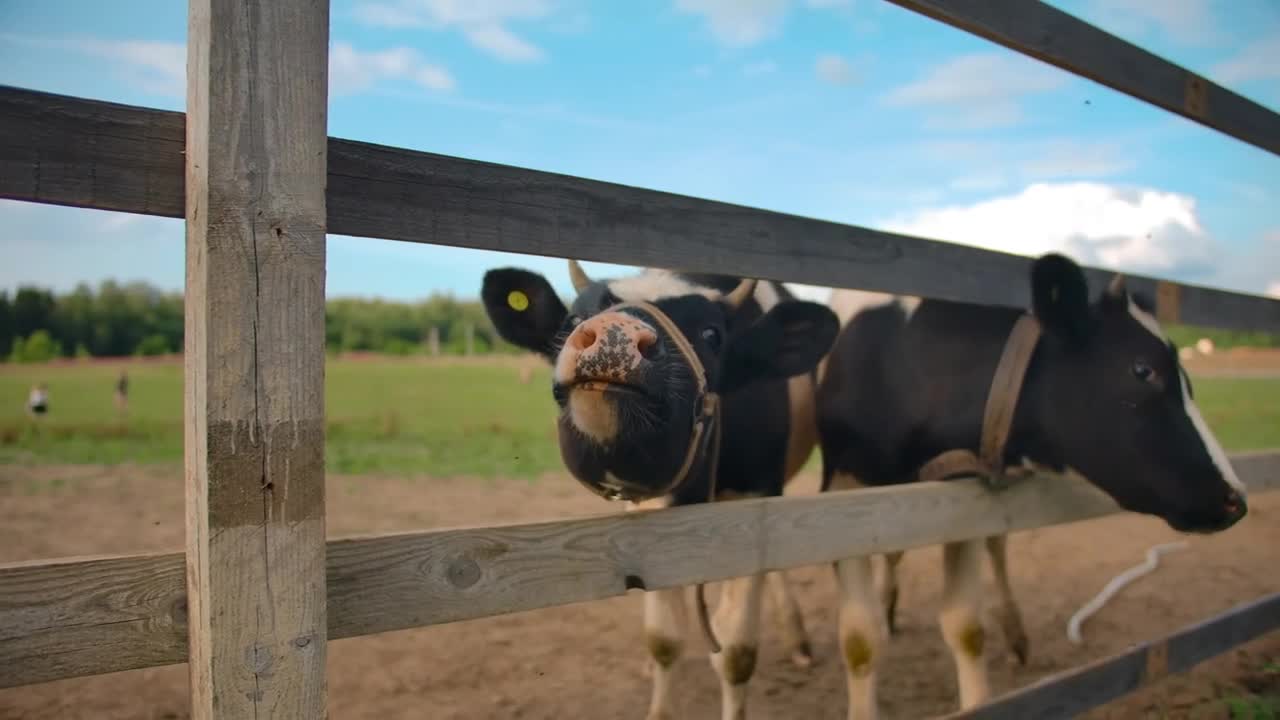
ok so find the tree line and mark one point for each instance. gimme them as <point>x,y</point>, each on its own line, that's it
<point>121,319</point>
<point>37,325</point>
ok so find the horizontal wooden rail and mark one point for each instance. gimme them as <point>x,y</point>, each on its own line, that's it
<point>1070,693</point>
<point>83,617</point>
<point>1041,31</point>
<point>84,153</point>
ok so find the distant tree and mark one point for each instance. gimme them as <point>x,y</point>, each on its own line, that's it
<point>32,310</point>
<point>7,332</point>
<point>39,347</point>
<point>155,344</point>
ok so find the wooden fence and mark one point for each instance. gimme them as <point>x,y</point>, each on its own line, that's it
<point>251,170</point>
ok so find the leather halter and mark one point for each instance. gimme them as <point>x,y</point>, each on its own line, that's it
<point>706,427</point>
<point>706,419</point>
<point>997,418</point>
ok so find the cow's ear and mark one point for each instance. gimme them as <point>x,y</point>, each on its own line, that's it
<point>1060,298</point>
<point>524,308</point>
<point>788,340</point>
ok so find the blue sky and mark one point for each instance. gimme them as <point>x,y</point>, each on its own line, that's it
<point>849,110</point>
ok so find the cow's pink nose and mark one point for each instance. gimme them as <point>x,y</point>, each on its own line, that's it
<point>607,346</point>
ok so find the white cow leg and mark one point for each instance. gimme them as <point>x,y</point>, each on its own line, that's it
<point>961,619</point>
<point>790,621</point>
<point>737,627</point>
<point>665,621</point>
<point>665,624</point>
<point>864,634</point>
<point>1009,613</point>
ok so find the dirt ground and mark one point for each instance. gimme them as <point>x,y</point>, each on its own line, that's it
<point>584,661</point>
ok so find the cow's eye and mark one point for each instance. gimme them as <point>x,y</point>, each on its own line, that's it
<point>1143,371</point>
<point>711,336</point>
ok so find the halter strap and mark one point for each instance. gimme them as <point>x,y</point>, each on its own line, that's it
<point>707,414</point>
<point>997,417</point>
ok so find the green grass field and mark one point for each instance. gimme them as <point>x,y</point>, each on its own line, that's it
<point>404,417</point>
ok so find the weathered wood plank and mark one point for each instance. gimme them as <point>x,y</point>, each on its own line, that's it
<point>1046,33</point>
<point>1070,693</point>
<point>257,94</point>
<point>414,579</point>
<point>385,192</point>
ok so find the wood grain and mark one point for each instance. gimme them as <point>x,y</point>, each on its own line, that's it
<point>406,580</point>
<point>52,148</point>
<point>1041,31</point>
<point>1070,693</point>
<point>257,93</point>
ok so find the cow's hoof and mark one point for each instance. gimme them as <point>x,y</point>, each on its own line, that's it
<point>802,657</point>
<point>1021,650</point>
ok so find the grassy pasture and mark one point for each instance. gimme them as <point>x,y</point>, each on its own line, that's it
<point>405,416</point>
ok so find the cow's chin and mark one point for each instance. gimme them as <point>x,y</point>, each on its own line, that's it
<point>596,408</point>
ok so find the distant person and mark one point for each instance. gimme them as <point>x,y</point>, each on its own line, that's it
<point>38,400</point>
<point>122,391</point>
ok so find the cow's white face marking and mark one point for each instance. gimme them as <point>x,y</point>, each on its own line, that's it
<point>766,296</point>
<point>1216,453</point>
<point>847,303</point>
<point>655,284</point>
<point>1211,443</point>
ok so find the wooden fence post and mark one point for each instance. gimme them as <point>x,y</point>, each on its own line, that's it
<point>256,161</point>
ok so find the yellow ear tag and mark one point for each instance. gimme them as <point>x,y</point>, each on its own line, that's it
<point>518,301</point>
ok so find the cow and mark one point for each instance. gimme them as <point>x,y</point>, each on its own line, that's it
<point>674,389</point>
<point>1103,396</point>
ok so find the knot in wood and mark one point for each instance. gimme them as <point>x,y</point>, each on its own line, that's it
<point>463,572</point>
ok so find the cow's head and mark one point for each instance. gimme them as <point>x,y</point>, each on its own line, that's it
<point>634,358</point>
<point>1116,404</point>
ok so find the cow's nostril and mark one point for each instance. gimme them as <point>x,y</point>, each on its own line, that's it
<point>583,338</point>
<point>647,344</point>
<point>1235,504</point>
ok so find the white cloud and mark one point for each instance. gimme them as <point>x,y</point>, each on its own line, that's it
<point>741,23</point>
<point>763,67</point>
<point>351,70</point>
<point>1070,158</point>
<point>835,69</point>
<point>503,43</point>
<point>1259,60</point>
<point>1133,229</point>
<point>1274,289</point>
<point>738,23</point>
<point>1186,21</point>
<point>157,67</point>
<point>978,90</point>
<point>482,22</point>
<point>161,67</point>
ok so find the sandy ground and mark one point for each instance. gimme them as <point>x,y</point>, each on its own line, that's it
<point>584,661</point>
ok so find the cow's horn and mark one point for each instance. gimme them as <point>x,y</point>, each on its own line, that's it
<point>578,276</point>
<point>1116,287</point>
<point>741,293</point>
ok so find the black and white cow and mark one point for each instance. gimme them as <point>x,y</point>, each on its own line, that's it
<point>1104,396</point>
<point>629,401</point>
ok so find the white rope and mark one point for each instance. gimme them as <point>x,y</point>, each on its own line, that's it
<point>1117,582</point>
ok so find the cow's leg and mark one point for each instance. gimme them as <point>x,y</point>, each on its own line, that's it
<point>737,627</point>
<point>961,619</point>
<point>863,629</point>
<point>791,622</point>
<point>864,634</point>
<point>889,589</point>
<point>665,624</point>
<point>1009,613</point>
<point>665,621</point>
